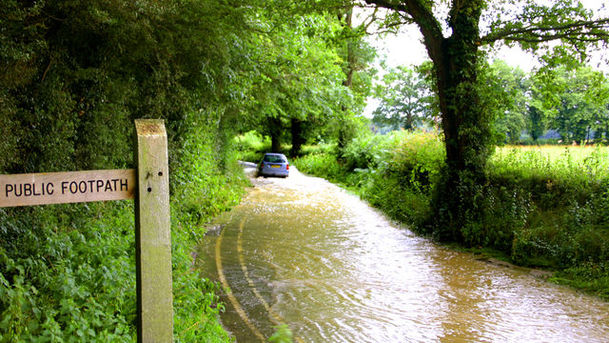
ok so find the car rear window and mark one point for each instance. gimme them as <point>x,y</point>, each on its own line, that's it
<point>273,159</point>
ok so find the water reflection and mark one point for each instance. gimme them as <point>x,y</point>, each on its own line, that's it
<point>303,252</point>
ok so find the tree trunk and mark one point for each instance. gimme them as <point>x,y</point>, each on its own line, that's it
<point>465,125</point>
<point>408,122</point>
<point>275,132</point>
<point>350,55</point>
<point>535,117</point>
<point>297,137</point>
<point>344,129</point>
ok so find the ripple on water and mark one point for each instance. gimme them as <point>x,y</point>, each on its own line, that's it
<point>336,270</point>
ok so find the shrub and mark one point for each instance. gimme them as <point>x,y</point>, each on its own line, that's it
<point>251,146</point>
<point>323,165</point>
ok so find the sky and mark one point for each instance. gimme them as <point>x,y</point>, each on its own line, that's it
<point>406,48</point>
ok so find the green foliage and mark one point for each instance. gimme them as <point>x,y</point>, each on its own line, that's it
<point>591,277</point>
<point>86,69</point>
<point>251,146</point>
<point>565,21</point>
<point>406,100</point>
<point>66,278</point>
<point>504,91</point>
<point>321,164</point>
<point>574,101</point>
<point>578,167</point>
<point>251,140</point>
<point>395,172</point>
<point>404,181</point>
<point>567,197</point>
<point>283,334</point>
<point>203,188</point>
<point>208,183</point>
<point>312,75</point>
<point>298,78</point>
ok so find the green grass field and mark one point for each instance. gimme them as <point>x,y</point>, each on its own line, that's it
<point>556,153</point>
<point>552,161</point>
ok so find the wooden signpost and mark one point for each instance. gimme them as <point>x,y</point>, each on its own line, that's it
<point>149,185</point>
<point>153,234</point>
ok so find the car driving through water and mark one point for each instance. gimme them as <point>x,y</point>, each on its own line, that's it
<point>273,164</point>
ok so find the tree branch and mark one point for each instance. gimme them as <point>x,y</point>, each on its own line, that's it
<point>595,30</point>
<point>423,17</point>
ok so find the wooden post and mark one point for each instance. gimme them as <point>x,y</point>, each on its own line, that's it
<point>153,234</point>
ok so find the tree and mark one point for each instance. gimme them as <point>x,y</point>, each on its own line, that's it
<point>356,55</point>
<point>504,96</point>
<point>455,50</point>
<point>299,77</point>
<point>535,122</point>
<point>75,74</point>
<point>574,100</point>
<point>402,97</point>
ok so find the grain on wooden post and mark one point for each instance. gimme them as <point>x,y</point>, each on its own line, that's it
<point>153,234</point>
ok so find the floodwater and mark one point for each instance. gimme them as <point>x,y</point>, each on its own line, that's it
<point>302,252</point>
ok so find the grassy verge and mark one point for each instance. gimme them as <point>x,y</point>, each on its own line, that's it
<point>67,272</point>
<point>207,184</point>
<point>542,207</point>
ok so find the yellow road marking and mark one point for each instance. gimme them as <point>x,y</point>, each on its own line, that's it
<point>231,297</point>
<point>273,316</point>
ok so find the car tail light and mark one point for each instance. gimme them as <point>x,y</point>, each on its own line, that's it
<point>287,166</point>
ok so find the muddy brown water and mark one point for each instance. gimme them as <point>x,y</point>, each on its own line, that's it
<point>305,253</point>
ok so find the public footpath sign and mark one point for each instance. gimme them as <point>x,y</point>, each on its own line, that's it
<point>149,186</point>
<point>68,187</point>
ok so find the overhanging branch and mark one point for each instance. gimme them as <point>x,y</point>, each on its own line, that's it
<point>579,31</point>
<point>417,11</point>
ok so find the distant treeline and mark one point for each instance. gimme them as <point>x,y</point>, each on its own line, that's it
<point>552,105</point>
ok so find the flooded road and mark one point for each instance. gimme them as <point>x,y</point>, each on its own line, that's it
<point>302,252</point>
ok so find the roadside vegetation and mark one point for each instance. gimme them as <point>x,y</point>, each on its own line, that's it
<point>68,271</point>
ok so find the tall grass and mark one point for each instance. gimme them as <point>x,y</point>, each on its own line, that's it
<point>570,163</point>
